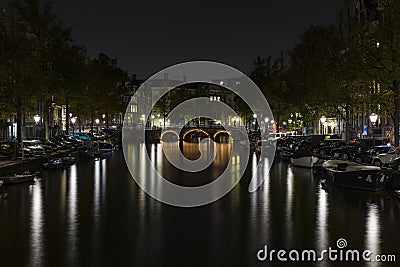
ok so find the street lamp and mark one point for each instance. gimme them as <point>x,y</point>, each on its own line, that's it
<point>97,121</point>
<point>290,121</point>
<point>373,118</point>
<point>323,120</point>
<point>255,121</point>
<point>36,118</point>
<point>266,119</point>
<point>152,118</point>
<point>73,120</point>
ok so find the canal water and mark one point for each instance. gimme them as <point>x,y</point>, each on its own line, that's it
<point>93,214</point>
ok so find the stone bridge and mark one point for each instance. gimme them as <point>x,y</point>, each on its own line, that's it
<point>213,132</point>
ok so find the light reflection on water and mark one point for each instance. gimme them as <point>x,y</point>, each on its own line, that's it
<point>37,237</point>
<point>322,214</point>
<point>289,204</point>
<point>103,215</point>
<point>73,220</point>
<point>373,231</point>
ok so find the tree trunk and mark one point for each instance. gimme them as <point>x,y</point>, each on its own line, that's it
<point>67,116</point>
<point>91,127</point>
<point>19,121</point>
<point>347,124</point>
<point>107,121</point>
<point>396,113</point>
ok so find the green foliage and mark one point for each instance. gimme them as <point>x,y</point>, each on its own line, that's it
<point>38,60</point>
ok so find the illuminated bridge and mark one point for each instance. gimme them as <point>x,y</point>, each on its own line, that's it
<point>187,133</point>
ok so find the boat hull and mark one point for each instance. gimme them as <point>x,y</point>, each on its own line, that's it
<point>18,179</point>
<point>397,193</point>
<point>305,162</point>
<point>371,180</point>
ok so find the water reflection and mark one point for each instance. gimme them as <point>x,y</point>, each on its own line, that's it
<point>322,213</point>
<point>94,212</point>
<point>73,219</point>
<point>96,191</point>
<point>373,231</point>
<point>37,226</point>
<point>289,204</point>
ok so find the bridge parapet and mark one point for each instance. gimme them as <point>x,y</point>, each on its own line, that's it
<point>211,132</point>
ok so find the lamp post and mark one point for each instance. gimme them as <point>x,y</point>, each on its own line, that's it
<point>152,118</point>
<point>323,120</point>
<point>255,121</point>
<point>36,118</point>
<point>373,118</point>
<point>73,121</point>
<point>97,121</point>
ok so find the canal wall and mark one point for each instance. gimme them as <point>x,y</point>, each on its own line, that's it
<point>31,164</point>
<point>21,166</point>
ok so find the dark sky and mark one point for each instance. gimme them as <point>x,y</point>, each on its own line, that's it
<point>147,36</point>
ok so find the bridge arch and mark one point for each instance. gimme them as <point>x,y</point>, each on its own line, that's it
<point>221,132</point>
<point>195,130</point>
<point>169,131</point>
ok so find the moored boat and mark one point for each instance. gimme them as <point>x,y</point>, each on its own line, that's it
<point>306,161</point>
<point>17,178</point>
<point>334,163</point>
<point>303,158</point>
<point>360,177</point>
<point>53,164</point>
<point>68,160</point>
<point>104,147</point>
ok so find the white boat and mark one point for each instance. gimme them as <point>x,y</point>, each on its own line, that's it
<point>303,158</point>
<point>306,161</point>
<point>334,163</point>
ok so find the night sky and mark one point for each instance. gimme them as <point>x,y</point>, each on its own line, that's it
<point>147,36</point>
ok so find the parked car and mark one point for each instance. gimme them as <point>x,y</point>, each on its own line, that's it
<point>53,145</point>
<point>5,149</point>
<point>47,148</point>
<point>370,142</point>
<point>386,158</point>
<point>395,164</point>
<point>25,152</point>
<point>324,147</point>
<point>61,142</point>
<point>346,152</point>
<point>34,146</point>
<point>367,155</point>
<point>82,136</point>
